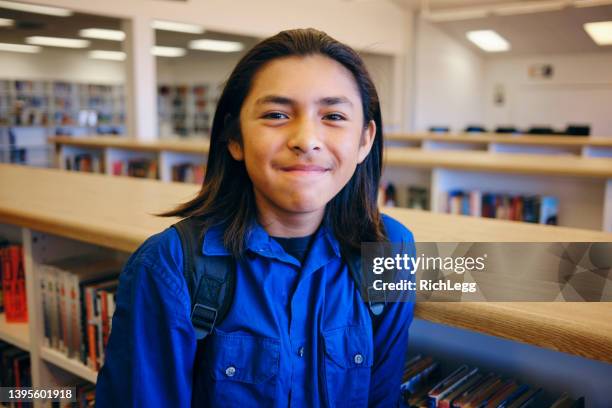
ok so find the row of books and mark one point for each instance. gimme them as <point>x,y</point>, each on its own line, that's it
<point>14,366</point>
<point>78,296</point>
<point>416,197</point>
<point>15,371</point>
<point>424,386</point>
<point>13,301</point>
<point>189,173</point>
<point>535,209</point>
<point>87,162</point>
<point>139,167</point>
<point>183,172</point>
<point>186,109</point>
<point>59,103</point>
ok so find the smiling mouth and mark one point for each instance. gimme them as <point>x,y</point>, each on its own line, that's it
<point>305,168</point>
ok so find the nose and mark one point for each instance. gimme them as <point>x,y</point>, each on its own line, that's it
<point>304,137</point>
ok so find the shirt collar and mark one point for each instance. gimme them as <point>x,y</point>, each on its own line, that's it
<point>259,241</point>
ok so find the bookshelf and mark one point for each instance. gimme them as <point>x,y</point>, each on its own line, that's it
<point>569,178</point>
<point>61,105</point>
<point>167,153</point>
<point>112,215</point>
<point>32,110</point>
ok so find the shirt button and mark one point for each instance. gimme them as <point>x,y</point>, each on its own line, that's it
<point>230,371</point>
<point>358,358</point>
<point>301,351</point>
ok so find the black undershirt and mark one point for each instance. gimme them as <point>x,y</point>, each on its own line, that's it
<point>296,247</point>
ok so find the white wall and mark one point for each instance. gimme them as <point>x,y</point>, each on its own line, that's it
<point>381,68</point>
<point>448,81</point>
<point>191,70</point>
<point>579,92</point>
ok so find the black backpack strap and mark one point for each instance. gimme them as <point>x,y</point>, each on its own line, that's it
<point>210,279</point>
<point>376,299</point>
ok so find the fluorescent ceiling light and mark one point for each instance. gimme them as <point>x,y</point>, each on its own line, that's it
<point>488,40</point>
<point>107,55</point>
<point>6,22</point>
<point>600,32</point>
<point>159,51</point>
<point>178,27</point>
<point>31,49</point>
<point>526,8</point>
<point>102,34</point>
<point>216,45</point>
<point>34,8</point>
<point>57,42</point>
<point>591,3</point>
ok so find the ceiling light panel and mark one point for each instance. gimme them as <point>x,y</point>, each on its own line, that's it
<point>216,45</point>
<point>30,49</point>
<point>488,40</point>
<point>35,8</point>
<point>107,55</point>
<point>171,52</point>
<point>600,32</point>
<point>102,34</point>
<point>177,27</point>
<point>57,42</point>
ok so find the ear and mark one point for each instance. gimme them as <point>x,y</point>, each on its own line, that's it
<point>367,140</point>
<point>235,150</point>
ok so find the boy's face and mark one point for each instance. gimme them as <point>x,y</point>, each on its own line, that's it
<point>302,133</point>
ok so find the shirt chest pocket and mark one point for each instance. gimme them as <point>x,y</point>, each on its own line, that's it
<point>240,369</point>
<point>348,361</point>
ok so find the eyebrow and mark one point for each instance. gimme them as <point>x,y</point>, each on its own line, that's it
<point>283,100</point>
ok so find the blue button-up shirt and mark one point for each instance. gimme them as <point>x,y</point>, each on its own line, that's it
<point>296,335</point>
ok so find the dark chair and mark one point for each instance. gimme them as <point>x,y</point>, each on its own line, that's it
<point>578,130</point>
<point>506,129</point>
<point>439,129</point>
<point>475,129</point>
<point>537,130</point>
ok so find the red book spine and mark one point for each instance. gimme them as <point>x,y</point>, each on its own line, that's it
<point>91,331</point>
<point>13,284</point>
<point>21,304</point>
<point>7,272</point>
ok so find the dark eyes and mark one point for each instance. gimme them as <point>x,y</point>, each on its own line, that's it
<point>275,115</point>
<point>334,117</point>
<point>280,116</point>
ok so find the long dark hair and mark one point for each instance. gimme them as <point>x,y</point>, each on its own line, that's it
<point>227,196</point>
